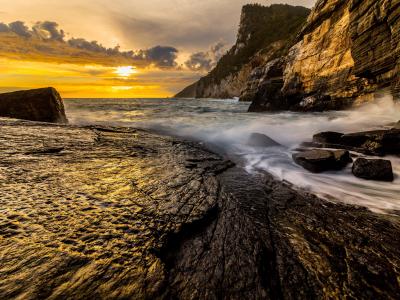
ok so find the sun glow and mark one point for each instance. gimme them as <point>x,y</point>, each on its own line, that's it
<point>125,71</point>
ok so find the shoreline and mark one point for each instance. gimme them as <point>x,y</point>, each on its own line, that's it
<point>126,213</point>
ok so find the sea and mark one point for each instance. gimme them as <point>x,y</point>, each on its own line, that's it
<point>227,125</point>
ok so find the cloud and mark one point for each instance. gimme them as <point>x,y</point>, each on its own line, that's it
<point>205,61</point>
<point>49,30</point>
<point>186,32</point>
<point>91,46</point>
<point>161,56</point>
<point>45,41</point>
<point>20,29</point>
<point>4,27</point>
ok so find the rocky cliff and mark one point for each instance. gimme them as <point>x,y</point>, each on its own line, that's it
<point>264,33</point>
<point>346,52</point>
<point>43,105</point>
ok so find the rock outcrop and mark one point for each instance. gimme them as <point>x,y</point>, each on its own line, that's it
<point>264,33</point>
<point>346,52</point>
<point>44,105</point>
<point>118,213</point>
<point>377,142</point>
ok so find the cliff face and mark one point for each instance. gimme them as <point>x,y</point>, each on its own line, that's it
<point>264,33</point>
<point>347,51</point>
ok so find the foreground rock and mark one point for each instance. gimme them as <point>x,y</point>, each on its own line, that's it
<point>378,142</point>
<point>44,105</point>
<point>373,169</point>
<point>318,161</point>
<point>262,140</point>
<point>114,213</point>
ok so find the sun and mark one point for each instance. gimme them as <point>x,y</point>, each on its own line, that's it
<point>125,71</point>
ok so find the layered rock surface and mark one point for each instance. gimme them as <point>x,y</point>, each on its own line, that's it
<point>116,213</point>
<point>346,52</point>
<point>264,33</point>
<point>44,105</point>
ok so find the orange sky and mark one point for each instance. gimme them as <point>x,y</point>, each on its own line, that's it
<point>51,44</point>
<point>91,81</point>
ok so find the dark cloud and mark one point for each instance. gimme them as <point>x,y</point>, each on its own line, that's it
<point>205,61</point>
<point>49,30</point>
<point>20,29</point>
<point>199,61</point>
<point>4,27</point>
<point>86,45</point>
<point>160,56</point>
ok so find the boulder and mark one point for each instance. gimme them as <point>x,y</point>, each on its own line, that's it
<point>373,169</point>
<point>44,105</point>
<point>397,125</point>
<point>320,160</point>
<point>342,157</point>
<point>261,140</point>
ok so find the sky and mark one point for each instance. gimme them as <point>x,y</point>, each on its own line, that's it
<point>117,49</point>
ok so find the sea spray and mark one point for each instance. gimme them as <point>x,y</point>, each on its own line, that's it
<point>226,124</point>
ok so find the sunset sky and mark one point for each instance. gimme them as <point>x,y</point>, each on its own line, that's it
<point>119,48</point>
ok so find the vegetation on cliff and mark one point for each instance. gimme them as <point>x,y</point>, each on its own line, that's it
<point>260,27</point>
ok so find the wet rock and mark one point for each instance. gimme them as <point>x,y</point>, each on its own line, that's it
<point>328,137</point>
<point>261,140</point>
<point>318,161</point>
<point>44,105</point>
<point>377,142</point>
<point>343,157</point>
<point>373,169</point>
<point>122,209</point>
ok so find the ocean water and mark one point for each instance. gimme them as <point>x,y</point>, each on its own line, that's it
<point>227,125</point>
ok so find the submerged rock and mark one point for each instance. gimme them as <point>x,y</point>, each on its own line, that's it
<point>44,105</point>
<point>261,140</point>
<point>319,160</point>
<point>373,169</point>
